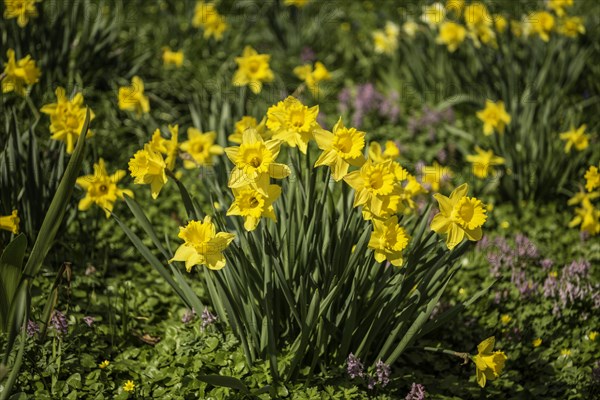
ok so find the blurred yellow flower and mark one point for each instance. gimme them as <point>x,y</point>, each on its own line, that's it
<point>433,175</point>
<point>500,23</point>
<point>22,10</point>
<point>410,28</point>
<point>541,23</point>
<point>254,162</point>
<point>149,168</point>
<point>558,6</point>
<point>167,147</point>
<point>373,183</point>
<point>248,122</point>
<point>377,154</point>
<point>452,35</point>
<point>592,178</point>
<point>494,117</point>
<point>537,342</point>
<point>386,40</point>
<point>341,149</point>
<point>455,6</point>
<point>10,222</point>
<point>104,364</point>
<point>172,57</point>
<point>293,122</point>
<point>252,204</point>
<point>311,77</point>
<point>483,162</point>
<point>588,217</point>
<point>489,363</point>
<point>477,14</point>
<point>208,18</point>
<point>592,335</point>
<point>101,188</point>
<point>19,74</point>
<point>67,118</point>
<point>202,245</point>
<point>505,319</point>
<point>571,27</point>
<point>565,352</point>
<point>297,3</point>
<point>201,147</point>
<point>575,138</point>
<point>253,70</point>
<point>129,386</point>
<point>459,216</point>
<point>388,239</point>
<point>132,98</point>
<point>505,224</point>
<point>433,14</point>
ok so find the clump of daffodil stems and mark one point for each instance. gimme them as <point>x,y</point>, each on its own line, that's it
<point>322,251</point>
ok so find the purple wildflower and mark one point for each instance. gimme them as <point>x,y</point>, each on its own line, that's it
<point>417,392</point>
<point>546,263</point>
<point>59,322</point>
<point>383,373</point>
<point>188,316</point>
<point>32,328</point>
<point>307,55</point>
<point>207,318</point>
<point>354,367</point>
<point>89,320</point>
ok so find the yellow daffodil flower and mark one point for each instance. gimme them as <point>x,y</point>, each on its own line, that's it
<point>149,168</point>
<point>202,245</point>
<point>248,122</point>
<point>388,239</point>
<point>592,177</point>
<point>22,10</point>
<point>312,77</point>
<point>19,74</point>
<point>374,183</point>
<point>483,162</point>
<point>132,98</point>
<point>434,14</point>
<point>433,175</point>
<point>296,3</point>
<point>208,18</point>
<point>489,363</point>
<point>10,222</point>
<point>571,27</point>
<point>494,117</point>
<point>292,122</point>
<point>575,138</point>
<point>452,35</point>
<point>253,70</point>
<point>378,154</point>
<point>252,204</point>
<point>386,40</point>
<point>455,6</point>
<point>588,217</point>
<point>201,147</point>
<point>172,57</point>
<point>541,23</point>
<point>558,6</point>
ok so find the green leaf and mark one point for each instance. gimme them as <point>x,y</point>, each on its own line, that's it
<point>225,381</point>
<point>11,265</point>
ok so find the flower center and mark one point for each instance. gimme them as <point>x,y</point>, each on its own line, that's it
<point>103,189</point>
<point>297,118</point>
<point>72,122</point>
<point>376,180</point>
<point>253,66</point>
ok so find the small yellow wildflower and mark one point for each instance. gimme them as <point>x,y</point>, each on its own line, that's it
<point>388,239</point>
<point>592,178</point>
<point>505,224</point>
<point>202,245</point>
<point>201,147</point>
<point>172,57</point>
<point>459,216</point>
<point>592,335</point>
<point>293,122</point>
<point>494,117</point>
<point>483,162</point>
<point>101,188</point>
<point>553,274</point>
<point>132,98</point>
<point>10,222</point>
<point>104,364</point>
<point>66,118</point>
<point>253,70</point>
<point>252,204</point>
<point>537,342</point>
<point>489,363</point>
<point>341,149</point>
<point>505,319</point>
<point>19,74</point>
<point>565,352</point>
<point>22,10</point>
<point>148,167</point>
<point>452,35</point>
<point>575,137</point>
<point>208,18</point>
<point>541,23</point>
<point>129,386</point>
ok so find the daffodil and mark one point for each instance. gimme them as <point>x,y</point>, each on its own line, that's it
<point>386,40</point>
<point>575,138</point>
<point>592,177</point>
<point>101,188</point>
<point>500,23</point>
<point>252,204</point>
<point>293,122</point>
<point>410,28</point>
<point>167,147</point>
<point>477,15</point>
<point>296,3</point>
<point>459,216</point>
<point>313,77</point>
<point>253,70</point>
<point>373,183</point>
<point>254,162</point>
<point>542,24</point>
<point>455,6</point>
<point>129,386</point>
<point>452,35</point>
<point>588,217</point>
<point>172,57</point>
<point>202,245</point>
<point>10,222</point>
<point>558,6</point>
<point>149,168</point>
<point>434,14</point>
<point>489,363</point>
<point>483,162</point>
<point>208,18</point>
<point>494,117</point>
<point>66,118</point>
<point>201,147</point>
<point>434,175</point>
<point>22,10</point>
<point>18,75</point>
<point>378,154</point>
<point>132,98</point>
<point>388,239</point>
<point>571,27</point>
<point>341,149</point>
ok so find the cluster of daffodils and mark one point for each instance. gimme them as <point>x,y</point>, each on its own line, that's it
<point>18,75</point>
<point>67,117</point>
<point>207,17</point>
<point>587,216</point>
<point>457,21</point>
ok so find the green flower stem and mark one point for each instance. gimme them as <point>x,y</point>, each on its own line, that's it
<point>465,356</point>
